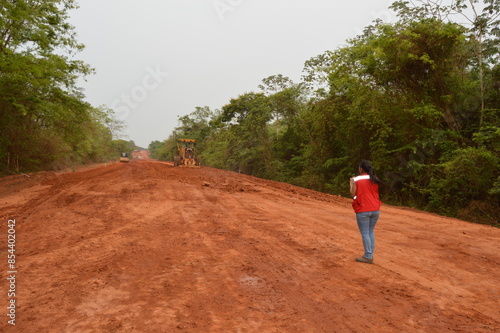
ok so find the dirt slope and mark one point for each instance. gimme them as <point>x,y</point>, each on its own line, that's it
<point>146,247</point>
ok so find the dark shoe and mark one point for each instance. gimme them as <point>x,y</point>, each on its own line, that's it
<point>364,260</point>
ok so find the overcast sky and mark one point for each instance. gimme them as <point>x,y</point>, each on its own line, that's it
<point>156,60</point>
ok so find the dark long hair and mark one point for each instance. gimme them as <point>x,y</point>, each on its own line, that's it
<point>368,168</point>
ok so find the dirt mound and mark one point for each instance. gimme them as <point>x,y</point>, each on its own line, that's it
<point>146,247</point>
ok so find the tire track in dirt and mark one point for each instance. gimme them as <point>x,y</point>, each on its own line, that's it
<point>302,273</point>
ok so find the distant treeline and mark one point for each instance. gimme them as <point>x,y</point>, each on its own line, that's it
<point>419,98</point>
<point>44,121</point>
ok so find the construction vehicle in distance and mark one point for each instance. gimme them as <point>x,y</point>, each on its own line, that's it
<point>186,151</point>
<point>124,158</point>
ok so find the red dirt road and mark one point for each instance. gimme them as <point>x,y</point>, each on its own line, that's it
<point>146,247</point>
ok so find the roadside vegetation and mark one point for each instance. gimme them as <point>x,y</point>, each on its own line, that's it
<point>420,98</point>
<point>44,121</point>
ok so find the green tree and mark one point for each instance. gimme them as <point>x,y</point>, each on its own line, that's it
<point>164,150</point>
<point>123,146</point>
<point>468,176</point>
<point>484,20</point>
<point>43,117</point>
<point>195,125</point>
<point>243,127</point>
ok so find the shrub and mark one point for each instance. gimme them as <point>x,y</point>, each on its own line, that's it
<point>469,175</point>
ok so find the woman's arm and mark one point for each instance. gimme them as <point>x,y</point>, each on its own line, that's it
<point>352,187</point>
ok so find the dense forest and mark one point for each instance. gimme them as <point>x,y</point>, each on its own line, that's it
<point>44,121</point>
<point>420,98</point>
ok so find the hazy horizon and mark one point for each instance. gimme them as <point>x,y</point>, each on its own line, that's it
<point>157,60</point>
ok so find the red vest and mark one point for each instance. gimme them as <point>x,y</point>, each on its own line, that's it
<point>367,198</point>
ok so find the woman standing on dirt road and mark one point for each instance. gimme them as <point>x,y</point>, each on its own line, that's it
<point>366,205</point>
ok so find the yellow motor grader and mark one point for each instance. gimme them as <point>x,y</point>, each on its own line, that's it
<point>186,157</point>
